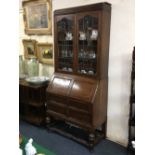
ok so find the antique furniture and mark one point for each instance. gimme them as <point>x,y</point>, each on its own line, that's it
<point>32,102</point>
<point>132,108</point>
<point>77,93</point>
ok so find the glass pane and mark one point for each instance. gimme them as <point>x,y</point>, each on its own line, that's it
<point>87,45</point>
<point>65,44</point>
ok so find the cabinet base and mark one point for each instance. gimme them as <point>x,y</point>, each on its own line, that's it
<point>75,133</point>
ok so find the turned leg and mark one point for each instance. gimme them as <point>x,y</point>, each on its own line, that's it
<point>104,126</point>
<point>91,140</point>
<point>48,120</point>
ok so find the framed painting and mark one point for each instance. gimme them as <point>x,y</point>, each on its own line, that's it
<point>30,49</point>
<point>45,53</point>
<point>20,4</point>
<point>37,16</point>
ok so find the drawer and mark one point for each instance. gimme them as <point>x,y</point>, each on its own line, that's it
<point>79,116</point>
<point>56,99</point>
<point>80,106</point>
<point>56,107</point>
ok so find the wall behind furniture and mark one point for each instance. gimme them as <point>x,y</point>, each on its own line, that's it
<point>121,45</point>
<point>45,69</point>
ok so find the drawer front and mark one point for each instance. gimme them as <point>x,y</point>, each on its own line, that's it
<point>79,116</point>
<point>56,107</point>
<point>86,107</point>
<point>55,98</point>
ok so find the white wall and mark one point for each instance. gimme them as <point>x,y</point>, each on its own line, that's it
<point>44,69</point>
<point>121,44</point>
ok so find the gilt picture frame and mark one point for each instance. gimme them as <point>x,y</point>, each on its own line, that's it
<point>30,48</point>
<point>45,53</point>
<point>37,17</point>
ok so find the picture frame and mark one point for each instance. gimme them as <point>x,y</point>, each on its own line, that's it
<point>20,4</point>
<point>37,17</point>
<point>45,53</point>
<point>30,49</point>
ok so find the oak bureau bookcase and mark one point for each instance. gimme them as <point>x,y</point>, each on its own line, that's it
<point>77,93</point>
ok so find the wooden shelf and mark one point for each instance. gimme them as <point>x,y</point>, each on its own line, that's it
<point>75,133</point>
<point>26,84</point>
<point>86,59</point>
<point>66,58</point>
<point>33,119</point>
<point>36,104</point>
<point>32,102</point>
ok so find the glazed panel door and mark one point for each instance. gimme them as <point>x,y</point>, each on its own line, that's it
<point>64,43</point>
<point>88,42</point>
